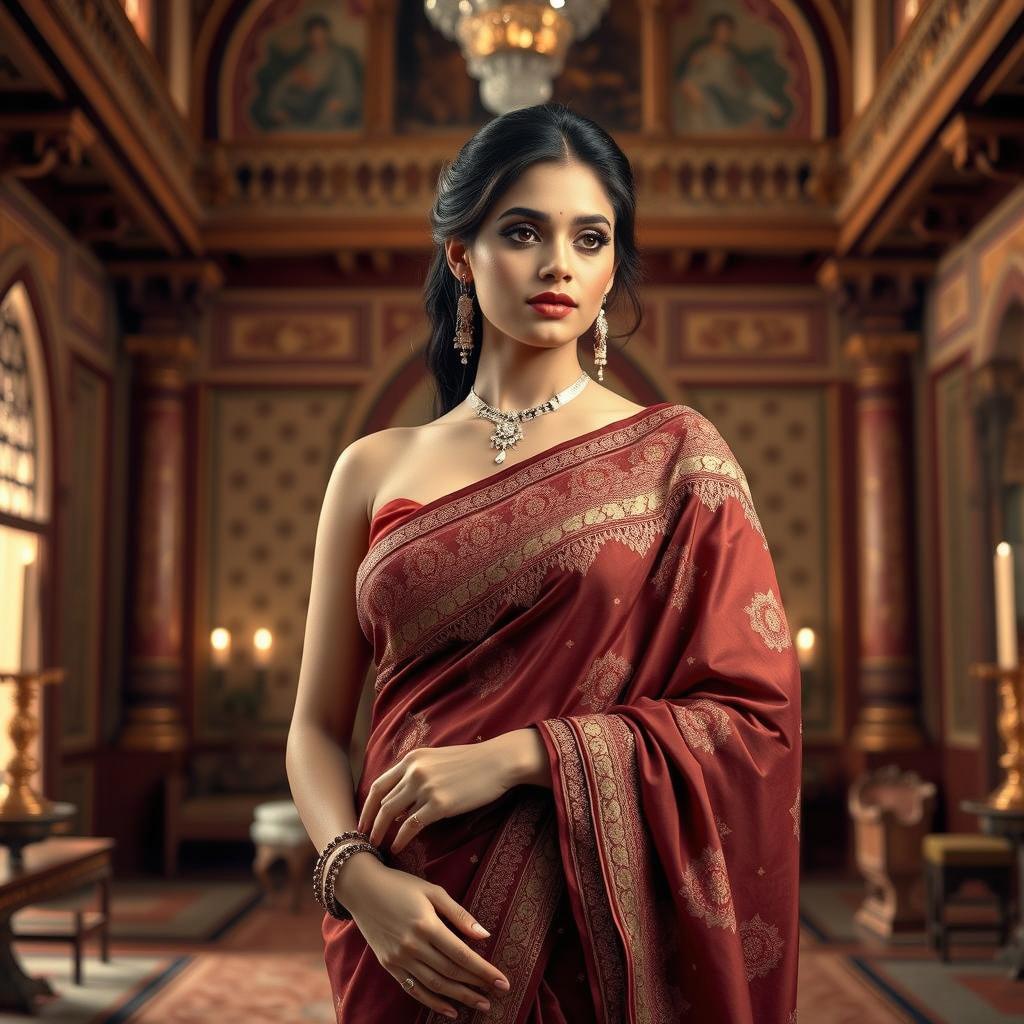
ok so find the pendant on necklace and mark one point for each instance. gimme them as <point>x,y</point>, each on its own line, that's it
<point>507,433</point>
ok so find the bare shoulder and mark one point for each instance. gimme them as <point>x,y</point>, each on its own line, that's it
<point>362,463</point>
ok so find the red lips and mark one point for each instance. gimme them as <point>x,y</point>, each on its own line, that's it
<point>559,298</point>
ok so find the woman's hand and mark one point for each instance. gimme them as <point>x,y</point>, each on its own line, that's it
<point>400,918</point>
<point>437,782</point>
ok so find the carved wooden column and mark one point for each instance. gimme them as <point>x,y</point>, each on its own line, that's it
<point>878,300</point>
<point>655,84</point>
<point>162,303</point>
<point>889,714</point>
<point>152,711</point>
<point>379,105</point>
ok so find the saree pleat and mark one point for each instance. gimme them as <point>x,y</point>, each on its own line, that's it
<point>617,593</point>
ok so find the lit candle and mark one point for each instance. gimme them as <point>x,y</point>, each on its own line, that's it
<point>220,647</point>
<point>805,647</point>
<point>262,641</point>
<point>29,608</point>
<point>1006,607</point>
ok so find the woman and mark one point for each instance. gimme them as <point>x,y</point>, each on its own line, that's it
<point>585,731</point>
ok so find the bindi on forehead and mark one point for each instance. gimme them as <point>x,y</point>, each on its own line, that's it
<point>538,215</point>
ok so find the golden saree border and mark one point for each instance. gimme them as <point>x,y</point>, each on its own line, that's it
<point>613,861</point>
<point>515,897</point>
<point>601,944</point>
<point>559,510</point>
<point>509,482</point>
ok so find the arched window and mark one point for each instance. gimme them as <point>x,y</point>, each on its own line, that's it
<point>25,494</point>
<point>17,421</point>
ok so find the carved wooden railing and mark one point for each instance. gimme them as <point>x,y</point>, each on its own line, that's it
<point>400,176</point>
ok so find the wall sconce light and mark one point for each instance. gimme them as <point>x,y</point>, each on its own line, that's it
<point>262,642</point>
<point>805,645</point>
<point>239,705</point>
<point>220,647</point>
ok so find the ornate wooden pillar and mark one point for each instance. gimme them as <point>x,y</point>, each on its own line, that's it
<point>889,714</point>
<point>379,105</point>
<point>162,302</point>
<point>878,300</point>
<point>655,84</point>
<point>152,711</point>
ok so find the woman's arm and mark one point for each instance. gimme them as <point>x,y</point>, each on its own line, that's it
<point>524,756</point>
<point>320,777</point>
<point>335,659</point>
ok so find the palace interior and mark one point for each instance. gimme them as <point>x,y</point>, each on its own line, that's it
<point>211,258</point>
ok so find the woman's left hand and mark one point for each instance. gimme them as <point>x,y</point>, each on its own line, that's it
<point>434,783</point>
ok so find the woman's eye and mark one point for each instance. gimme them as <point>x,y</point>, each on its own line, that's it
<point>516,231</point>
<point>595,240</point>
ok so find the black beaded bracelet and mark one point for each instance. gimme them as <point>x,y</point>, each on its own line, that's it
<point>334,908</point>
<point>318,870</point>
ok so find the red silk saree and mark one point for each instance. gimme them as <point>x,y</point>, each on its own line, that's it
<point>617,593</point>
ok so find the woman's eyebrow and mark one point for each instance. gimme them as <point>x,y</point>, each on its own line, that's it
<point>525,211</point>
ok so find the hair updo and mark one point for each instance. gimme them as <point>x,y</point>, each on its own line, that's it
<point>486,166</point>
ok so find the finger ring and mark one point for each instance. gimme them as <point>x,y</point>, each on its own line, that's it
<point>408,983</point>
<point>414,818</point>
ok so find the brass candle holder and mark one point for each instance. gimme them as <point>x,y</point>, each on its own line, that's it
<point>25,816</point>
<point>1009,794</point>
<point>17,797</point>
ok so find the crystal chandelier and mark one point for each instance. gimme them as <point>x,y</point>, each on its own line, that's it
<point>515,49</point>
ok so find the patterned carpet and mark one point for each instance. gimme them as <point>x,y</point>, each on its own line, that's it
<point>848,975</point>
<point>246,961</point>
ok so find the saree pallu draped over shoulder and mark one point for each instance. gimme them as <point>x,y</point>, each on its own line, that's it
<point>617,593</point>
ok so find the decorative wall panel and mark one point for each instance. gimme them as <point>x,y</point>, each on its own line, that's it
<point>781,437</point>
<point>271,454</point>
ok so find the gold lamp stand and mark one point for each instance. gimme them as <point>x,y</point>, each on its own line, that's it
<point>26,816</point>
<point>1009,794</point>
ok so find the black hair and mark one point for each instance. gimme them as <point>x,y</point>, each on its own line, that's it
<point>485,167</point>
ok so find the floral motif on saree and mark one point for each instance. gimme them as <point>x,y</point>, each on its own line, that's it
<point>617,593</point>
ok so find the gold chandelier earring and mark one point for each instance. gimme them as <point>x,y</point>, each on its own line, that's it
<point>464,321</point>
<point>601,341</point>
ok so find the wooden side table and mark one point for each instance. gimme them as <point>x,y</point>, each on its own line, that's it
<point>54,867</point>
<point>1010,823</point>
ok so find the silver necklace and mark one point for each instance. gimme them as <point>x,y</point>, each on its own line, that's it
<point>508,432</point>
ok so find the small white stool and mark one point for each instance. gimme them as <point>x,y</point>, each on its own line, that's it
<point>279,835</point>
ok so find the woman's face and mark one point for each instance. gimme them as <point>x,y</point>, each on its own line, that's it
<point>517,255</point>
